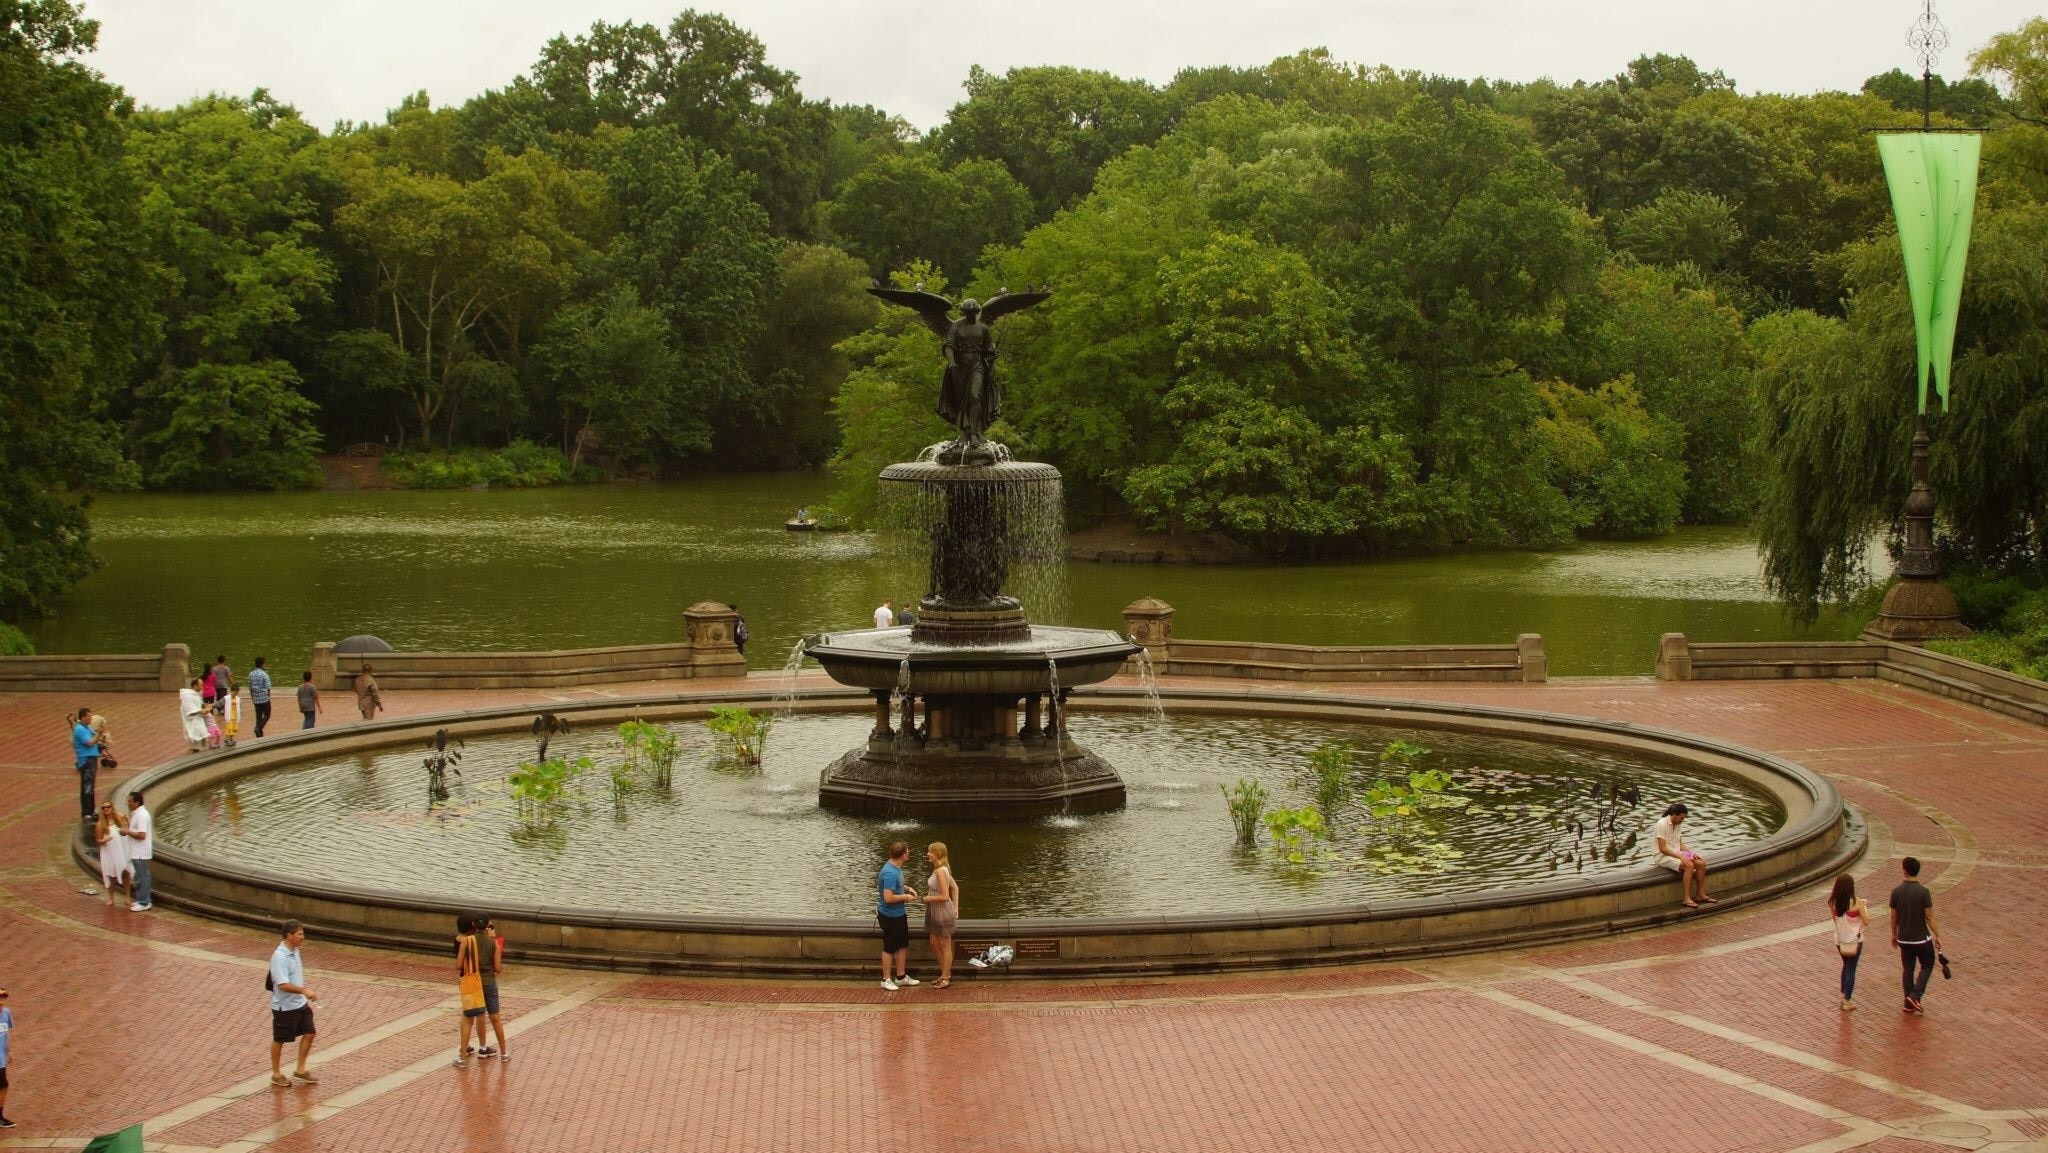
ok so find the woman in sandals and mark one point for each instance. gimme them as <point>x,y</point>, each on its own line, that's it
<point>111,834</point>
<point>1849,914</point>
<point>941,910</point>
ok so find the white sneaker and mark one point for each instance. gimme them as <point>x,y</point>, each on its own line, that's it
<point>138,907</point>
<point>889,985</point>
<point>907,979</point>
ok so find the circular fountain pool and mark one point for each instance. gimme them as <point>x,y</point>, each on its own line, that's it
<point>734,869</point>
<point>740,840</point>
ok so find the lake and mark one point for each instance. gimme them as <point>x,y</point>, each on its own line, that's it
<point>270,574</point>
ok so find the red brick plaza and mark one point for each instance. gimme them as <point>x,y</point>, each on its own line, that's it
<point>1720,1033</point>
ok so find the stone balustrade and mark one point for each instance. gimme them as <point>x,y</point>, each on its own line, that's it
<point>1679,659</point>
<point>1149,622</point>
<point>98,672</point>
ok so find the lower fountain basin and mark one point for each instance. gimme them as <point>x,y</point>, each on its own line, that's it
<point>332,826</point>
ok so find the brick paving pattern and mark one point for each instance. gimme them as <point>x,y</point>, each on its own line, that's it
<point>1713,1035</point>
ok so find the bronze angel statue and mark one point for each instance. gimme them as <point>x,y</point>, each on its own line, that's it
<point>969,399</point>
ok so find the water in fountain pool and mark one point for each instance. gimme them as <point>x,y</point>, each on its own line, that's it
<point>752,841</point>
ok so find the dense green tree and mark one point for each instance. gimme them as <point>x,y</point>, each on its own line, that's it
<point>1970,100</point>
<point>1051,127</point>
<point>1836,403</point>
<point>819,300</point>
<point>458,264</point>
<point>699,251</point>
<point>904,208</point>
<point>1684,349</point>
<point>618,385</point>
<point>76,297</point>
<point>1619,466</point>
<point>231,211</point>
<point>2018,62</point>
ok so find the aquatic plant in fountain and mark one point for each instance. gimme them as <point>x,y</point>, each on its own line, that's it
<point>649,749</point>
<point>743,733</point>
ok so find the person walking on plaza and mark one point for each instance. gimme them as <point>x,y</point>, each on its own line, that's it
<point>259,694</point>
<point>892,914</point>
<point>111,835</point>
<point>6,1031</point>
<point>1915,933</point>
<point>368,699</point>
<point>885,615</point>
<point>192,714</point>
<point>1672,854</point>
<point>291,1006</point>
<point>85,755</point>
<point>223,681</point>
<point>941,910</point>
<point>141,850</point>
<point>309,699</point>
<point>1849,915</point>
<point>739,629</point>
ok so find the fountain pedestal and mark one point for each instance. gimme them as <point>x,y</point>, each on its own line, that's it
<point>970,702</point>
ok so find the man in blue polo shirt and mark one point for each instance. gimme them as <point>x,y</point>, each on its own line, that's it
<point>85,751</point>
<point>892,913</point>
<point>291,1006</point>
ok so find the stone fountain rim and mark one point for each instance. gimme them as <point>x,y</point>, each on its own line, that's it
<point>1812,844</point>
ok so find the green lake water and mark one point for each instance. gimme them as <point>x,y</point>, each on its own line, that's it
<point>271,574</point>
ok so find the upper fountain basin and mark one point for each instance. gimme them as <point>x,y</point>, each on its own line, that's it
<point>874,659</point>
<point>932,472</point>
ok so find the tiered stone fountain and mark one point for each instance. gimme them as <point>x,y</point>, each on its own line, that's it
<point>971,701</point>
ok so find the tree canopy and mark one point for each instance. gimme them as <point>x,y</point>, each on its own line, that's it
<point>1319,306</point>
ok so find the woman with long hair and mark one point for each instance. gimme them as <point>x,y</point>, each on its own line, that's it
<point>1849,914</point>
<point>941,910</point>
<point>110,833</point>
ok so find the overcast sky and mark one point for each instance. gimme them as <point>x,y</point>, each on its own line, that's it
<point>355,59</point>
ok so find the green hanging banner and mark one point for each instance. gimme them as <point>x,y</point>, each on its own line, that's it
<point>1933,177</point>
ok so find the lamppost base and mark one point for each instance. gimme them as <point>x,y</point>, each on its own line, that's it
<point>1917,609</point>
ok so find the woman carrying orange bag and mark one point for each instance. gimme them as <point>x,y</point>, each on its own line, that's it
<point>470,982</point>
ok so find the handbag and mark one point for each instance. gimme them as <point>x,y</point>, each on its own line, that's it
<point>472,982</point>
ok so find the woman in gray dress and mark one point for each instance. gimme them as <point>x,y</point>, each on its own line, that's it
<point>941,910</point>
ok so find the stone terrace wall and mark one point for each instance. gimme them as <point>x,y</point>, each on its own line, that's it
<point>103,673</point>
<point>1681,660</point>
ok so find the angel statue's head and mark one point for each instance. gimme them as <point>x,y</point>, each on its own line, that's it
<point>970,306</point>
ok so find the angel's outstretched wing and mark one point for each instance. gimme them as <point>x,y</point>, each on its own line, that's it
<point>930,307</point>
<point>1004,303</point>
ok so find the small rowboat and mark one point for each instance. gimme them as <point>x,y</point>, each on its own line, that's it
<point>795,525</point>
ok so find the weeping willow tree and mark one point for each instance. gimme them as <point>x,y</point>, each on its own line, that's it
<point>1835,418</point>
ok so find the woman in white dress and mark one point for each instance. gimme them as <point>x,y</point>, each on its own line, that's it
<point>192,711</point>
<point>111,834</point>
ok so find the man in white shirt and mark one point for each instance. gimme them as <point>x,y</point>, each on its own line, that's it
<point>1672,854</point>
<point>142,827</point>
<point>885,616</point>
<point>291,1006</point>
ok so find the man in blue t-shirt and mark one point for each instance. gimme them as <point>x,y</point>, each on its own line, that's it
<point>291,1006</point>
<point>85,752</point>
<point>892,913</point>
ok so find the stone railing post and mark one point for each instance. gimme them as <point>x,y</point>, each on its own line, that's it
<point>1529,655</point>
<point>712,651</point>
<point>1674,657</point>
<point>1149,622</point>
<point>175,671</point>
<point>323,667</point>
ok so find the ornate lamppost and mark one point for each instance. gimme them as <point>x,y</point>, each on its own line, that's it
<point>1933,179</point>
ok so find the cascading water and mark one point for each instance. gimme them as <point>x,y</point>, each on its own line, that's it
<point>785,692</point>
